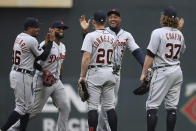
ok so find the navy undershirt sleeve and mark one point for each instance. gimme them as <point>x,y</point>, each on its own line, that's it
<point>148,52</point>
<point>139,55</point>
<point>46,52</point>
<point>43,56</point>
<point>83,35</point>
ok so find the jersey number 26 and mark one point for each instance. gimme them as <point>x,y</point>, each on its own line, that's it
<point>16,57</point>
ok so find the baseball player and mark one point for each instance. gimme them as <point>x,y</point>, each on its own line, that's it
<point>97,51</point>
<point>125,40</point>
<point>53,63</point>
<point>25,49</point>
<point>163,52</point>
<point>56,91</point>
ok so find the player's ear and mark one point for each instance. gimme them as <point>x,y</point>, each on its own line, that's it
<point>120,19</point>
<point>93,22</point>
<point>49,29</point>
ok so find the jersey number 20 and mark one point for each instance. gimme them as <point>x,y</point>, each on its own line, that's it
<point>16,57</point>
<point>101,56</point>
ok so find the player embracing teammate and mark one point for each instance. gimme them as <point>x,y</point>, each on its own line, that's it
<point>96,70</point>
<point>51,62</point>
<point>124,40</point>
<point>25,50</point>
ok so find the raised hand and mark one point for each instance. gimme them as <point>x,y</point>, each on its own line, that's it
<point>180,23</point>
<point>84,24</point>
<point>52,34</point>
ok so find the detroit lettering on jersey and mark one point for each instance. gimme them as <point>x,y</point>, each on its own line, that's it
<point>122,43</point>
<point>54,58</point>
<point>124,40</point>
<point>102,39</point>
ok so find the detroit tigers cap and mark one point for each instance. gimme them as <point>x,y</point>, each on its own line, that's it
<point>113,11</point>
<point>58,24</point>
<point>31,22</point>
<point>170,12</point>
<point>99,16</point>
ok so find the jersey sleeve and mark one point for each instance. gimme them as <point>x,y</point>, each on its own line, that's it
<point>154,42</point>
<point>64,49</point>
<point>42,44</point>
<point>35,48</point>
<point>87,44</point>
<point>183,47</point>
<point>131,44</point>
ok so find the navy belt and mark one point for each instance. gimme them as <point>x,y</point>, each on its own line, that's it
<point>164,66</point>
<point>93,66</point>
<point>23,70</point>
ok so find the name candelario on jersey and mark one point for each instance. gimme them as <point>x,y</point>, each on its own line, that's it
<point>54,58</point>
<point>173,36</point>
<point>21,44</point>
<point>102,39</point>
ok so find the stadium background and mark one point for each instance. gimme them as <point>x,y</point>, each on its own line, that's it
<point>139,17</point>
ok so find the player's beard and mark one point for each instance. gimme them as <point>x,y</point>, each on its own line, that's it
<point>34,32</point>
<point>58,36</point>
<point>35,35</point>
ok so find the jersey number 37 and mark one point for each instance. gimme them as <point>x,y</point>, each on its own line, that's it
<point>174,50</point>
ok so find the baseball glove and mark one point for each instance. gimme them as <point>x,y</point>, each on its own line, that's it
<point>145,86</point>
<point>83,91</point>
<point>48,78</point>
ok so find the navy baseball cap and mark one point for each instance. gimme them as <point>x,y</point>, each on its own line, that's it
<point>170,12</point>
<point>31,22</point>
<point>99,16</point>
<point>58,24</point>
<point>114,11</point>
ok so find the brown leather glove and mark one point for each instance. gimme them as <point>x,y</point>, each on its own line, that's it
<point>48,78</point>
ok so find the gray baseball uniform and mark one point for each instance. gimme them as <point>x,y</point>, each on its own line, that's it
<point>100,79</point>
<point>167,44</point>
<point>56,91</point>
<point>25,49</point>
<point>124,40</point>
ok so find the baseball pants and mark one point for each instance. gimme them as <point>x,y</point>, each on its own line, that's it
<point>103,124</point>
<point>101,84</point>
<point>58,95</point>
<point>165,85</point>
<point>23,91</point>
